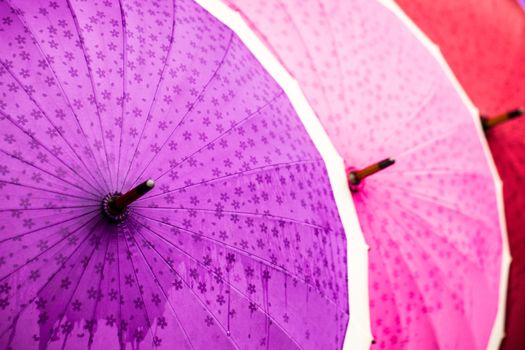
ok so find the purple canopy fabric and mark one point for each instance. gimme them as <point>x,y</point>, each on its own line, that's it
<point>238,246</point>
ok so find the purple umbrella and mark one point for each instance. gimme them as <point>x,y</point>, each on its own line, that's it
<point>157,187</point>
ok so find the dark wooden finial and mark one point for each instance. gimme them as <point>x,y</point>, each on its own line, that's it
<point>115,205</point>
<point>356,176</point>
<point>490,122</point>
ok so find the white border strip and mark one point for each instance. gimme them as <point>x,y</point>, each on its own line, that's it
<point>359,334</point>
<point>498,328</point>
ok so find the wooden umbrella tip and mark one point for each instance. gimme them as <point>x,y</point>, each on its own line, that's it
<point>516,113</point>
<point>385,163</point>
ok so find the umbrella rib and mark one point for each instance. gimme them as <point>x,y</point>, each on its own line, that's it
<point>418,218</point>
<point>442,136</point>
<point>414,115</point>
<point>47,208</point>
<point>422,221</point>
<point>243,253</point>
<point>16,11</point>
<point>244,296</point>
<point>124,64</point>
<point>189,287</point>
<point>403,261</point>
<point>97,299</point>
<point>156,279</point>
<point>8,117</point>
<point>90,74</point>
<point>395,295</point>
<point>221,326</point>
<point>50,279</point>
<point>242,122</point>
<point>249,214</point>
<point>240,173</point>
<point>441,238</point>
<point>436,171</point>
<point>47,172</point>
<point>157,88</point>
<point>195,102</point>
<point>73,294</point>
<point>45,190</point>
<point>43,252</point>
<point>119,333</point>
<point>338,60</point>
<point>150,324</point>
<point>449,206</point>
<point>46,227</point>
<point>309,58</point>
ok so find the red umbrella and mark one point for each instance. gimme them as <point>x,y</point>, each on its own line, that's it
<point>484,43</point>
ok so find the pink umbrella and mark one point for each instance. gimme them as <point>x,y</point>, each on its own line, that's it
<point>494,82</point>
<point>157,187</point>
<point>433,220</point>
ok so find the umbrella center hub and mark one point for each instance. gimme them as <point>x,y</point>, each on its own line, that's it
<point>111,211</point>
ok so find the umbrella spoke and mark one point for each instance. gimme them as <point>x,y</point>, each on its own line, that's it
<point>46,190</point>
<point>228,283</point>
<point>234,249</point>
<point>97,300</point>
<point>49,208</point>
<point>78,280</point>
<point>17,11</point>
<point>248,214</point>
<point>90,74</point>
<point>153,100</point>
<point>59,132</point>
<point>451,206</point>
<point>96,196</point>
<point>35,258</point>
<point>17,236</point>
<point>240,123</point>
<point>258,170</point>
<point>201,302</point>
<point>51,277</point>
<point>141,294</point>
<point>188,110</point>
<point>388,268</point>
<point>166,296</point>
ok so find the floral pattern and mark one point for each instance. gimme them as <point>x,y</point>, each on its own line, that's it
<point>238,246</point>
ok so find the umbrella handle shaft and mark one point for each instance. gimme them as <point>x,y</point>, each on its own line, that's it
<point>490,122</point>
<point>120,203</point>
<point>355,177</point>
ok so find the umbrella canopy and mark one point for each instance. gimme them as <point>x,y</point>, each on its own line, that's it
<point>482,41</point>
<point>432,219</point>
<point>507,142</point>
<point>465,33</point>
<point>230,236</point>
<point>522,3</point>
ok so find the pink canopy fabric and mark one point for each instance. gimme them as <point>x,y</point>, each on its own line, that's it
<point>432,219</point>
<point>238,246</point>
